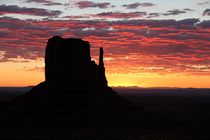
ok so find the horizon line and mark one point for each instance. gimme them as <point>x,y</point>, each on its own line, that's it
<point>137,87</point>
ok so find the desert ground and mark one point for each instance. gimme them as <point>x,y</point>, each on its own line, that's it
<point>189,107</point>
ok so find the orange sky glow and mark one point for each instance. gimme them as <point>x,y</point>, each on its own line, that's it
<point>146,45</point>
<point>31,73</point>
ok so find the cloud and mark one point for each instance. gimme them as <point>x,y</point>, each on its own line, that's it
<point>152,15</point>
<point>188,9</point>
<point>170,12</point>
<point>203,3</point>
<point>160,46</point>
<point>120,15</point>
<point>90,4</point>
<point>175,12</point>
<point>34,69</point>
<point>14,9</point>
<point>45,2</point>
<point>137,4</point>
<point>171,23</point>
<point>77,17</point>
<point>204,24</point>
<point>206,12</point>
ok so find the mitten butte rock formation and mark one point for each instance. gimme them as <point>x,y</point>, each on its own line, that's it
<point>72,78</point>
<point>68,61</point>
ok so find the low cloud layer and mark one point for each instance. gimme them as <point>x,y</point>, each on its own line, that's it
<point>160,46</point>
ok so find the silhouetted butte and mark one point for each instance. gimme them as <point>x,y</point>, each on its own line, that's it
<point>72,78</point>
<point>68,61</point>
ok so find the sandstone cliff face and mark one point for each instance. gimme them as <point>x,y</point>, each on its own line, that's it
<point>68,61</point>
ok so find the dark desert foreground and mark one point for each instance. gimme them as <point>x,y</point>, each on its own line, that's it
<point>188,106</point>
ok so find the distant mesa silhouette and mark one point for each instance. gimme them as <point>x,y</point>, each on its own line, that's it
<point>72,78</point>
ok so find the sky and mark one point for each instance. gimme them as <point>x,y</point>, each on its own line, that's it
<point>153,43</point>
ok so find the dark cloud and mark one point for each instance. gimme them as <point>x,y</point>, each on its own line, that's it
<point>188,9</point>
<point>152,15</point>
<point>45,2</point>
<point>186,23</point>
<point>88,4</point>
<point>120,15</point>
<point>203,3</point>
<point>137,4</point>
<point>170,12</point>
<point>206,12</point>
<point>204,24</point>
<point>14,9</point>
<point>77,17</point>
<point>174,12</point>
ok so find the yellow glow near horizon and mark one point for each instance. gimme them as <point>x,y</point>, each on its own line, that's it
<point>13,74</point>
<point>155,80</point>
<point>22,74</point>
